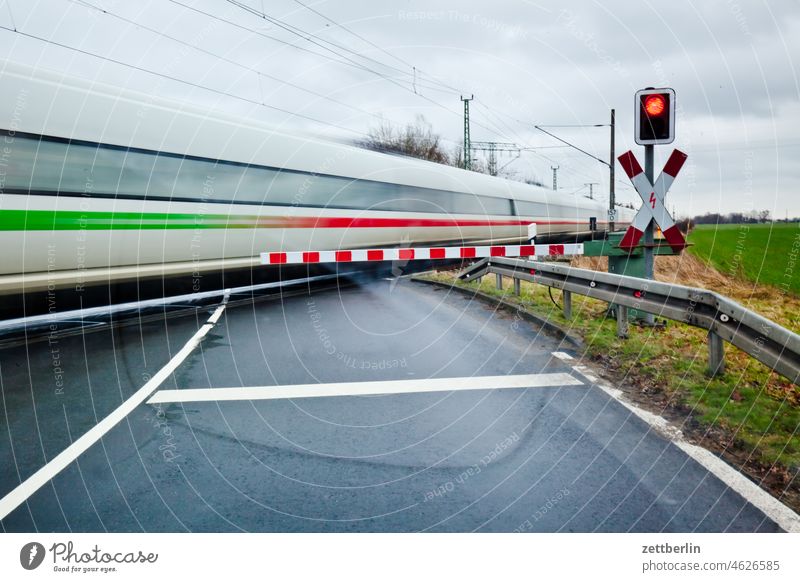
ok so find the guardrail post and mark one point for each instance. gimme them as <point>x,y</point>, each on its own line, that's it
<point>622,321</point>
<point>516,286</point>
<point>567,298</point>
<point>716,354</point>
<point>498,281</point>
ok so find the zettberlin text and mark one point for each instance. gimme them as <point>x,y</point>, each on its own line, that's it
<point>671,549</point>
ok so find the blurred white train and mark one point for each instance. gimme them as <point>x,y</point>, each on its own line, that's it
<point>99,185</point>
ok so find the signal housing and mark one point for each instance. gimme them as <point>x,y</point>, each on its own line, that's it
<point>655,116</point>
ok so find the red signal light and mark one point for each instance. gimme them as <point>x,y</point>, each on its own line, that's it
<point>655,116</point>
<point>655,105</point>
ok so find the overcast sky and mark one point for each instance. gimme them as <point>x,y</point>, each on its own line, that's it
<point>732,64</point>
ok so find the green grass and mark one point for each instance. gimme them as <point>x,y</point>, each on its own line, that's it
<point>747,404</point>
<point>768,254</point>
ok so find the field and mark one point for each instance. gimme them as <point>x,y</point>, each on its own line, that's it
<point>768,254</point>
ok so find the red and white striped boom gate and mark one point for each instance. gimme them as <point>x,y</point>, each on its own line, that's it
<point>412,254</point>
<point>653,197</point>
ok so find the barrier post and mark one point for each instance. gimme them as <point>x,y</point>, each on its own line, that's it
<point>622,321</point>
<point>716,354</point>
<point>567,298</point>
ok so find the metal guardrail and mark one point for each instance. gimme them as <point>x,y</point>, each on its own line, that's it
<point>764,340</point>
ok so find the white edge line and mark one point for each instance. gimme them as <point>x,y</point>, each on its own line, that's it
<point>784,516</point>
<point>563,356</point>
<point>363,388</point>
<point>217,313</point>
<point>772,508</point>
<point>32,484</point>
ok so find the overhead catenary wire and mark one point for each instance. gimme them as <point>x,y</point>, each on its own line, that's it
<point>414,68</point>
<point>309,37</point>
<point>534,149</point>
<point>347,61</point>
<point>343,27</point>
<point>577,125</point>
<point>262,34</point>
<point>319,41</point>
<point>587,125</point>
<point>231,61</point>
<point>539,127</point>
<point>198,85</point>
<point>179,80</point>
<point>566,168</point>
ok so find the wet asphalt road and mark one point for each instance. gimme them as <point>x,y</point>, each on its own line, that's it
<point>564,458</point>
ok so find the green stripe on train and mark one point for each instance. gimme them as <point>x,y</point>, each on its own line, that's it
<point>77,220</point>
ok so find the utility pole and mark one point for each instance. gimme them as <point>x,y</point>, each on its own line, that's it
<point>492,147</point>
<point>591,191</point>
<point>467,148</point>
<point>555,176</point>
<point>612,202</point>
<point>492,159</point>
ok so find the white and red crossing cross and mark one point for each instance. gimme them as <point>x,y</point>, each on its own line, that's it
<point>653,197</point>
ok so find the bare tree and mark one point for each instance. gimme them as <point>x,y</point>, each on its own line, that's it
<point>417,139</point>
<point>458,155</point>
<point>535,181</point>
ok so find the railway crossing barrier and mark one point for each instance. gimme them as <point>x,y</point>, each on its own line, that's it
<point>416,253</point>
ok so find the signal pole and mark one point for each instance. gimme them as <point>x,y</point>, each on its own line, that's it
<point>612,203</point>
<point>467,148</point>
<point>555,176</point>
<point>648,232</point>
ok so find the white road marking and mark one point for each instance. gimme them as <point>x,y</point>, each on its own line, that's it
<point>772,508</point>
<point>32,484</point>
<point>563,356</point>
<point>587,373</point>
<point>752,493</point>
<point>217,313</point>
<point>364,388</point>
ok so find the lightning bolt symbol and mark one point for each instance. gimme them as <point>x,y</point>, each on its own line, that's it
<point>32,555</point>
<point>653,199</point>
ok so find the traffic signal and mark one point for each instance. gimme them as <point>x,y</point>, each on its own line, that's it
<point>655,116</point>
